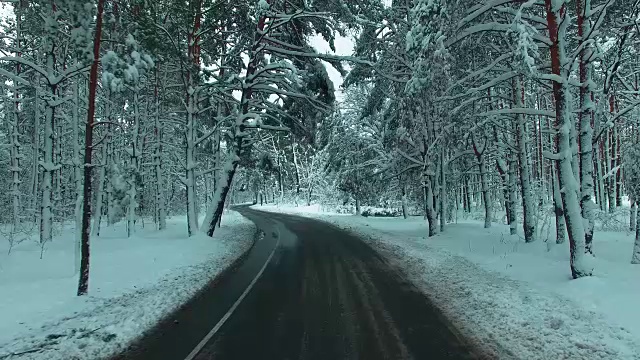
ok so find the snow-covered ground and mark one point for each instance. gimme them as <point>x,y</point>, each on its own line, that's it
<point>512,298</point>
<point>133,283</point>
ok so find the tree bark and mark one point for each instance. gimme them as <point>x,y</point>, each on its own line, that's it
<point>405,210</point>
<point>633,213</point>
<point>429,210</point>
<point>443,190</point>
<point>484,184</point>
<point>566,175</point>
<point>558,210</point>
<point>48,165</point>
<point>134,167</point>
<point>635,258</point>
<point>161,206</point>
<point>512,185</point>
<point>83,282</point>
<point>15,151</point>
<point>528,205</point>
<point>77,173</point>
<point>190,179</point>
<point>585,119</point>
<point>467,195</point>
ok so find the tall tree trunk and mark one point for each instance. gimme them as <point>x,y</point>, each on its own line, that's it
<point>443,190</point>
<point>297,170</point>
<point>599,170</point>
<point>429,210</point>
<point>484,184</point>
<point>83,283</point>
<point>100,196</point>
<point>503,169</point>
<point>48,167</point>
<point>635,258</point>
<point>134,166</point>
<point>609,185</point>
<point>566,175</point>
<point>77,172</point>
<point>585,118</point>
<point>528,203</point>
<point>190,180</point>
<point>467,195</point>
<point>161,206</point>
<point>633,213</point>
<point>16,168</point>
<point>512,186</point>
<point>611,151</point>
<point>15,151</point>
<point>405,210</point>
<point>111,200</point>
<point>36,153</point>
<point>619,170</point>
<point>558,209</point>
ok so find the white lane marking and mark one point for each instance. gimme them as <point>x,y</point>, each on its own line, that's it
<point>226,316</point>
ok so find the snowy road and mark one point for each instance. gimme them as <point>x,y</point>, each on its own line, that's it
<point>308,290</point>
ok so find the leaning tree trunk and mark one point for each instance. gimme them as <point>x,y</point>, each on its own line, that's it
<point>609,184</point>
<point>222,190</point>
<point>566,176</point>
<point>222,187</point>
<point>83,282</point>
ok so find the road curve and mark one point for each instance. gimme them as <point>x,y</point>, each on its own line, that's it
<point>323,295</point>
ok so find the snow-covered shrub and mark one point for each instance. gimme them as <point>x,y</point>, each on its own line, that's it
<point>381,212</point>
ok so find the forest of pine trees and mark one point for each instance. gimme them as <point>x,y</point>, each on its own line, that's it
<point>133,110</point>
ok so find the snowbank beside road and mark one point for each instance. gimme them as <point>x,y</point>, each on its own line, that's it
<point>514,299</point>
<point>134,283</point>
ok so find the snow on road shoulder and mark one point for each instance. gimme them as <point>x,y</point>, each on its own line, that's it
<point>134,283</point>
<point>512,299</point>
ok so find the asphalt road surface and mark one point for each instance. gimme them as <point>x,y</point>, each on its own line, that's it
<point>306,290</point>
